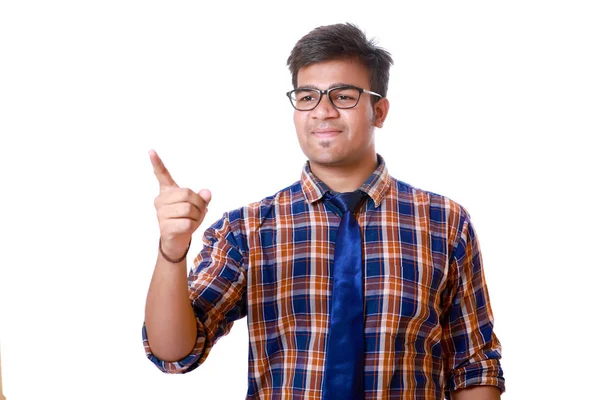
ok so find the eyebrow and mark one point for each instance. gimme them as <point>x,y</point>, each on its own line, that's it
<point>337,84</point>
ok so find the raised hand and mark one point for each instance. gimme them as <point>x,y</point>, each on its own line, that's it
<point>180,211</point>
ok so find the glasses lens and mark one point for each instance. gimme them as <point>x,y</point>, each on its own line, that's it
<point>305,99</point>
<point>344,97</point>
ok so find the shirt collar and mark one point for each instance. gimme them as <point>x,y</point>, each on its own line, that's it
<point>376,186</point>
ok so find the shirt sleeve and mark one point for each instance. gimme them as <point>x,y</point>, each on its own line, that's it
<point>472,351</point>
<point>217,291</point>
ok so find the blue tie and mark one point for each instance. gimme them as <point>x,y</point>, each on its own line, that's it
<point>344,356</point>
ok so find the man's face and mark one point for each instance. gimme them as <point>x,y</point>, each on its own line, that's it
<point>338,137</point>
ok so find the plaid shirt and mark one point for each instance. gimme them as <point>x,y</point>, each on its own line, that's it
<point>428,320</point>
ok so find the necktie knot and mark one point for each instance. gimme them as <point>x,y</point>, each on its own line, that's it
<point>347,201</point>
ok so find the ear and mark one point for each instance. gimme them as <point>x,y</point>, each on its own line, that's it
<point>381,109</point>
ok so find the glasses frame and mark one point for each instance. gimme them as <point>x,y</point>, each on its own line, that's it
<point>328,93</point>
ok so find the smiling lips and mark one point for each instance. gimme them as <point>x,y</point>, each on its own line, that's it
<point>326,133</point>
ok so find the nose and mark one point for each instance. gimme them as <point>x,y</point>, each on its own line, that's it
<point>325,109</point>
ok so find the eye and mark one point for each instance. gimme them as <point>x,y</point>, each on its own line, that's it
<point>346,94</point>
<point>345,97</point>
<point>305,96</point>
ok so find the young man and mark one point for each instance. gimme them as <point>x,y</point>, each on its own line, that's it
<point>355,284</point>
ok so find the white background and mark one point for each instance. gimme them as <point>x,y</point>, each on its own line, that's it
<point>493,105</point>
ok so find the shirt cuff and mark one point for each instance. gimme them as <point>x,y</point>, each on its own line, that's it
<point>186,364</point>
<point>479,373</point>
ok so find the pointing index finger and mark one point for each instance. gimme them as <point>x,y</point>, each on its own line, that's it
<point>162,174</point>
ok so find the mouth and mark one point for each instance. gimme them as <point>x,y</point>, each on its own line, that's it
<point>326,133</point>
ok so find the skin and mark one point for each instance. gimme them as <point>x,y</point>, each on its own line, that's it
<point>340,147</point>
<point>339,144</point>
<point>170,320</point>
<point>477,393</point>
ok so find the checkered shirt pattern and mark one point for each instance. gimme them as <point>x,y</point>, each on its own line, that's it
<point>428,319</point>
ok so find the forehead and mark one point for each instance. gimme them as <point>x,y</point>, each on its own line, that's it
<point>327,73</point>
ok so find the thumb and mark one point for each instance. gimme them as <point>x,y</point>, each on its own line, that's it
<point>206,195</point>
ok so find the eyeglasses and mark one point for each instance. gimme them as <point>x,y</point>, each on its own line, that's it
<point>342,97</point>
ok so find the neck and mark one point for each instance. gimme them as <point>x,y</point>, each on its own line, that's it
<point>347,177</point>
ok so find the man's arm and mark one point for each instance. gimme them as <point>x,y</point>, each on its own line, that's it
<point>477,393</point>
<point>170,323</point>
<point>471,350</point>
<point>186,316</point>
<point>216,293</point>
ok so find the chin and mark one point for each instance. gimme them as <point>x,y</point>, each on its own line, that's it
<point>328,153</point>
<point>326,159</point>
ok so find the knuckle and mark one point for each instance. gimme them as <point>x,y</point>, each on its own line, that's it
<point>188,209</point>
<point>189,193</point>
<point>187,225</point>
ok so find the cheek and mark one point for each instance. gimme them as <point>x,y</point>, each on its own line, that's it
<point>299,122</point>
<point>361,130</point>
<point>361,122</point>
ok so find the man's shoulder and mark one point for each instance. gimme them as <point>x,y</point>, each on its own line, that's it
<point>433,200</point>
<point>260,209</point>
<point>289,193</point>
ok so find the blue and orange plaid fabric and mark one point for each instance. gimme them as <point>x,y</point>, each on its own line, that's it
<point>428,319</point>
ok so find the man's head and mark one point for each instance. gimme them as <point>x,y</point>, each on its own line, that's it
<point>339,41</point>
<point>339,131</point>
